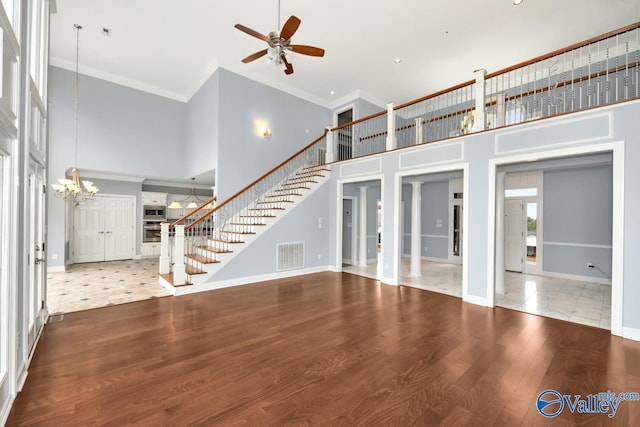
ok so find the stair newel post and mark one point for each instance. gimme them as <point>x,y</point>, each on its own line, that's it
<point>179,271</point>
<point>330,147</point>
<point>165,260</point>
<point>392,143</point>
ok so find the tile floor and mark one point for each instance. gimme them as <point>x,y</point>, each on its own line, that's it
<point>100,284</point>
<point>572,300</point>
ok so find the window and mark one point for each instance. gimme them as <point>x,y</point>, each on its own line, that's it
<point>521,192</point>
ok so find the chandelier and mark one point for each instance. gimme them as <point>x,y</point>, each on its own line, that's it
<point>72,188</point>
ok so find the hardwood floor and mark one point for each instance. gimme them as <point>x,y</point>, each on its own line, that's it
<point>323,349</point>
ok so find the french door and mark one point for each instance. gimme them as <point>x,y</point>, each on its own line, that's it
<point>104,229</point>
<point>34,212</point>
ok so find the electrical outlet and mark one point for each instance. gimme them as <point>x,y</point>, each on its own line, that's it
<point>590,265</point>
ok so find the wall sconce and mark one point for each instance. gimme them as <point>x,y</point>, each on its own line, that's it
<point>266,134</point>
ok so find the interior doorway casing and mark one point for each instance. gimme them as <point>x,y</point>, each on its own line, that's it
<point>617,253</point>
<point>397,212</point>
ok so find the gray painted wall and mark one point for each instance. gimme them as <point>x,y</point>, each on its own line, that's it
<point>120,130</point>
<point>581,129</point>
<point>129,132</point>
<point>202,127</point>
<point>245,156</point>
<point>577,210</point>
<point>299,225</point>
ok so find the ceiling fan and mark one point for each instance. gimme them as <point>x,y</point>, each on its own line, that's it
<point>280,44</point>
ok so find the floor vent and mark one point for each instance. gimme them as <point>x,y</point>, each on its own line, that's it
<point>290,256</point>
<point>55,317</point>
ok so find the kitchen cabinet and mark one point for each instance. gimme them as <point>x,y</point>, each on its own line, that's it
<point>152,198</point>
<point>151,249</point>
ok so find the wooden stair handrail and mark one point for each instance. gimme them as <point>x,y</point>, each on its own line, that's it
<point>238,193</point>
<point>564,50</point>
<point>185,216</point>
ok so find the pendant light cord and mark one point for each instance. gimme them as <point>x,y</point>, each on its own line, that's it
<point>278,15</point>
<point>78,28</point>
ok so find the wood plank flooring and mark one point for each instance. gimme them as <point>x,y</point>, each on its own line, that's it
<point>321,349</point>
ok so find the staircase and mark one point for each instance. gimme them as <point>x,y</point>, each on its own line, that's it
<point>198,245</point>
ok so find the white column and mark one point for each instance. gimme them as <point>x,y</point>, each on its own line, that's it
<point>418,131</point>
<point>479,121</point>
<point>416,230</point>
<point>392,144</point>
<point>499,274</point>
<point>362,228</point>
<point>179,271</point>
<point>329,158</point>
<point>165,261</point>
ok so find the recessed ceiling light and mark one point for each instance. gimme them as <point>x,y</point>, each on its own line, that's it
<point>517,2</point>
<point>332,92</point>
<point>397,60</point>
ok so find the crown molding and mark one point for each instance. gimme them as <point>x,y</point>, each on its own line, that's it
<point>116,79</point>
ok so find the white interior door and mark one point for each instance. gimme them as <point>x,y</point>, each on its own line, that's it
<point>88,231</point>
<point>513,235</point>
<point>36,268</point>
<point>103,229</point>
<point>118,229</point>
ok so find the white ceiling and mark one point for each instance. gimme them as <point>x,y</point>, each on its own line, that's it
<point>170,47</point>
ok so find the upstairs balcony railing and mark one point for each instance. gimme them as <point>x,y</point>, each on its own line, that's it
<point>597,72</point>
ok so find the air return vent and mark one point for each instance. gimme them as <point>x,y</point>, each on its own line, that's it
<point>290,256</point>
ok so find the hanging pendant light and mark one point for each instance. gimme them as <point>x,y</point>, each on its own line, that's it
<point>192,199</point>
<point>73,188</point>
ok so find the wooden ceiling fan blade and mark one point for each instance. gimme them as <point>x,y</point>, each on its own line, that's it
<point>289,69</point>
<point>251,32</point>
<point>290,27</point>
<point>255,56</point>
<point>307,50</point>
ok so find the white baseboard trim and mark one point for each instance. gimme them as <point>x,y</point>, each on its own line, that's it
<point>631,333</point>
<point>390,281</point>
<point>209,286</point>
<point>56,269</point>
<point>137,256</point>
<point>599,280</point>
<point>472,299</point>
<point>21,380</point>
<point>335,269</point>
<point>4,411</point>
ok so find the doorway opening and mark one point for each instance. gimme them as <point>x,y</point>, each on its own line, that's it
<point>344,135</point>
<point>362,228</point>
<point>558,232</point>
<point>432,231</point>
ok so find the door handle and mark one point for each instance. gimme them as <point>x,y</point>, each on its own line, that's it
<point>108,232</point>
<point>100,232</point>
<point>40,261</point>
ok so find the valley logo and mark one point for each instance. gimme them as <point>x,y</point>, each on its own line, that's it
<point>550,403</point>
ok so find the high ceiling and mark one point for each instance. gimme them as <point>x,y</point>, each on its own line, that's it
<point>171,47</point>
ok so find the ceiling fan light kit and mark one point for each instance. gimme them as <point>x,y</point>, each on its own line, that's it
<point>280,45</point>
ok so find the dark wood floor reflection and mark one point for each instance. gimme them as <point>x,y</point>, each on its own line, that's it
<point>323,349</point>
